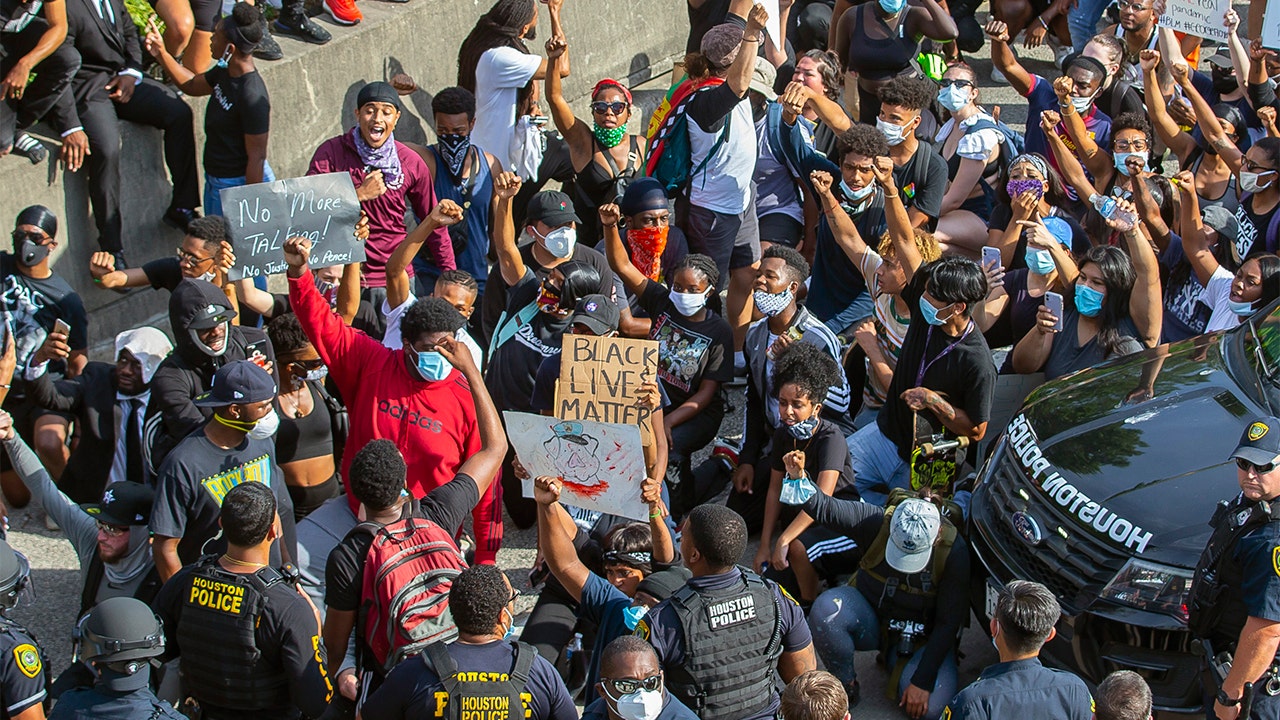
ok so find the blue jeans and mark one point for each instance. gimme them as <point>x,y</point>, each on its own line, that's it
<point>842,622</point>
<point>212,186</point>
<point>877,468</point>
<point>1082,20</point>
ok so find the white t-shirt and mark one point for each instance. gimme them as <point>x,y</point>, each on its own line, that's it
<point>500,73</point>
<point>391,338</point>
<point>724,183</point>
<point>1217,295</point>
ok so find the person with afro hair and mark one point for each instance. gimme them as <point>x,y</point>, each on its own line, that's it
<point>805,446</point>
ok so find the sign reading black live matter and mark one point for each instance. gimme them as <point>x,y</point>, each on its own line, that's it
<point>321,208</point>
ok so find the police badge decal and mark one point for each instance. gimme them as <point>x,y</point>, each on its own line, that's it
<point>28,659</point>
<point>1275,559</point>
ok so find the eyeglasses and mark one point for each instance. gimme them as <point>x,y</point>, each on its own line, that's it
<point>626,686</point>
<point>1134,6</point>
<point>187,258</point>
<point>308,364</point>
<point>111,530</point>
<point>514,594</point>
<point>600,107</point>
<point>35,237</point>
<point>1246,466</point>
<point>1127,145</point>
<point>1252,166</point>
<point>958,82</point>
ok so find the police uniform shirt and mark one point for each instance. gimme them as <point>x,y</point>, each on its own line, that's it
<point>287,635</point>
<point>413,690</point>
<point>602,604</point>
<point>103,704</point>
<point>672,709</point>
<point>1258,552</point>
<point>661,627</point>
<point>1022,689</point>
<point>194,478</point>
<point>22,678</point>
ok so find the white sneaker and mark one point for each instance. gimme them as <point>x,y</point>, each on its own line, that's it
<point>998,77</point>
<point>1061,53</point>
<point>49,524</point>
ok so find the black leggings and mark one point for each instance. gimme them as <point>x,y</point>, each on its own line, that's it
<point>308,498</point>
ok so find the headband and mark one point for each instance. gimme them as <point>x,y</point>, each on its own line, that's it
<point>608,83</point>
<point>237,38</point>
<point>633,559</point>
<point>1035,161</point>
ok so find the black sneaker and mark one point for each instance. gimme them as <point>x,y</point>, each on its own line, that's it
<point>268,48</point>
<point>302,28</point>
<point>179,218</point>
<point>30,148</point>
<point>121,262</point>
<point>855,695</point>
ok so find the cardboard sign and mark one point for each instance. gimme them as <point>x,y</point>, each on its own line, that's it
<point>600,377</point>
<point>321,208</point>
<point>600,465</point>
<point>1202,18</point>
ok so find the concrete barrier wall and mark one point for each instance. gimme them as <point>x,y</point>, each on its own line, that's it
<point>313,94</point>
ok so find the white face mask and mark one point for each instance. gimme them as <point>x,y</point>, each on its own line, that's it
<point>1249,181</point>
<point>640,705</point>
<point>209,276</point>
<point>560,242</point>
<point>266,426</point>
<point>1082,104</point>
<point>894,134</point>
<point>688,303</point>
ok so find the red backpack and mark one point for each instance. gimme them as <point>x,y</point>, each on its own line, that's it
<point>408,572</point>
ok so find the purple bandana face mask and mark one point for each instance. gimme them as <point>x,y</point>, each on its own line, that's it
<point>1017,187</point>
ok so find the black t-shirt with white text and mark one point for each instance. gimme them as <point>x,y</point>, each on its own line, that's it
<point>238,106</point>
<point>31,306</point>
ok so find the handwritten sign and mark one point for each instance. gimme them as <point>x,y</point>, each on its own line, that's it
<point>600,378</point>
<point>1202,18</point>
<point>600,465</point>
<point>321,208</point>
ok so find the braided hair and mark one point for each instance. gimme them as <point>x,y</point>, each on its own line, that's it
<point>502,26</point>
<point>705,266</point>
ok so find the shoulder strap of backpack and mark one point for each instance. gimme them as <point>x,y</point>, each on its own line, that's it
<point>508,325</point>
<point>1118,91</point>
<point>525,655</point>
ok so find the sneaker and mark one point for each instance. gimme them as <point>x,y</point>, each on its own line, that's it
<point>998,77</point>
<point>30,148</point>
<point>302,28</point>
<point>726,452</point>
<point>343,12</point>
<point>179,218</point>
<point>268,48</point>
<point>855,695</point>
<point>49,523</point>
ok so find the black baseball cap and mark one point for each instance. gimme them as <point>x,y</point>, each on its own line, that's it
<point>551,207</point>
<point>123,504</point>
<point>597,312</point>
<point>378,91</point>
<point>238,383</point>
<point>1260,443</point>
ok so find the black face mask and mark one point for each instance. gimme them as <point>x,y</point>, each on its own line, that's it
<point>30,253</point>
<point>1224,83</point>
<point>454,149</point>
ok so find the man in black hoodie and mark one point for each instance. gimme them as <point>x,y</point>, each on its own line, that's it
<point>204,340</point>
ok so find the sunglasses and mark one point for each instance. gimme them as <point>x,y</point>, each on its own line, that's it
<point>190,259</point>
<point>958,82</point>
<point>1246,466</point>
<point>111,530</point>
<point>626,686</point>
<point>35,237</point>
<point>600,107</point>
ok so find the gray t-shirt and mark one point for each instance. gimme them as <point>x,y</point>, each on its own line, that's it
<point>1066,357</point>
<point>194,478</point>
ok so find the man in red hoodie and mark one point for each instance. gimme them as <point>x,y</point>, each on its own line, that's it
<point>411,396</point>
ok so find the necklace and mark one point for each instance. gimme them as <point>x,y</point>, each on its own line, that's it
<point>241,563</point>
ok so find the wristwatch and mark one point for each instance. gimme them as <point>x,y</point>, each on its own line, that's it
<point>1225,700</point>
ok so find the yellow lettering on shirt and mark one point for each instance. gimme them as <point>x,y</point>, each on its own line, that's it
<point>483,707</point>
<point>219,596</point>
<point>257,470</point>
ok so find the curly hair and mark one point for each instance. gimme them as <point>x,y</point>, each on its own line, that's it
<point>453,101</point>
<point>863,140</point>
<point>910,92</point>
<point>286,334</point>
<point>718,533</point>
<point>828,70</point>
<point>926,244</point>
<point>477,599</point>
<point>429,315</point>
<point>1130,121</point>
<point>809,368</point>
<point>210,230</point>
<point>377,474</point>
<point>796,268</point>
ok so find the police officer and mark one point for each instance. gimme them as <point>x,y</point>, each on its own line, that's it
<point>481,674</point>
<point>724,637</point>
<point>1019,686</point>
<point>22,679</point>
<point>913,556</point>
<point>1235,594</point>
<point>118,638</point>
<point>247,638</point>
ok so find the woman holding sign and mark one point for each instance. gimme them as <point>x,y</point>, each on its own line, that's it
<point>695,349</point>
<point>238,116</point>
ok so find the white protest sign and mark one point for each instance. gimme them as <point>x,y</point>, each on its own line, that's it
<point>1271,25</point>
<point>321,208</point>
<point>600,465</point>
<point>1202,18</point>
<point>774,26</point>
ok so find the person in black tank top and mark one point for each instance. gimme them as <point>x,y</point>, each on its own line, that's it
<point>604,156</point>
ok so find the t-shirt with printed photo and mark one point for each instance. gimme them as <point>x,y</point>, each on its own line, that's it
<point>31,306</point>
<point>688,352</point>
<point>194,478</point>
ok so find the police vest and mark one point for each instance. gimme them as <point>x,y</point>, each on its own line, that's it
<point>479,695</point>
<point>216,632</point>
<point>1216,609</point>
<point>89,704</point>
<point>897,597</point>
<point>718,680</point>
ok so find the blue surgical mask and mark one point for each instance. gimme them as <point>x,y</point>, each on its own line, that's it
<point>893,134</point>
<point>1120,158</point>
<point>226,55</point>
<point>510,634</point>
<point>1040,261</point>
<point>892,6</point>
<point>432,366</point>
<point>930,313</point>
<point>632,614</point>
<point>1243,309</point>
<point>797,491</point>
<point>1088,301</point>
<point>1082,104</point>
<point>803,430</point>
<point>953,98</point>
<point>855,195</point>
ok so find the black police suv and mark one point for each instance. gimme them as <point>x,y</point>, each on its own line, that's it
<point>1102,486</point>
